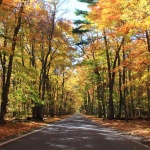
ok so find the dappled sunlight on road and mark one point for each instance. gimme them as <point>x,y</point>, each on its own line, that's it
<point>82,132</point>
<point>75,133</point>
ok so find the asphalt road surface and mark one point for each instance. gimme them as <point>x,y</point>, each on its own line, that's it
<point>74,133</point>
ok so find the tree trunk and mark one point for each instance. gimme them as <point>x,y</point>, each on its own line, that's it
<point>88,103</point>
<point>36,112</point>
<point>120,91</point>
<point>103,100</point>
<point>99,91</point>
<point>61,112</point>
<point>132,100</point>
<point>111,82</point>
<point>110,101</point>
<point>124,95</point>
<point>7,78</point>
<point>1,2</point>
<point>148,69</point>
<point>111,74</point>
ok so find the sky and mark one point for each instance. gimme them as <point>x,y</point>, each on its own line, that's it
<point>70,6</point>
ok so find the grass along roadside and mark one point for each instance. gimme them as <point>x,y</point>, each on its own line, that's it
<point>12,129</point>
<point>140,128</point>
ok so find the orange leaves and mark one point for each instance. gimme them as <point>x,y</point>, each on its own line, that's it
<point>124,19</point>
<point>15,128</point>
<point>7,2</point>
<point>106,13</point>
<point>121,16</point>
<point>131,127</point>
<point>64,24</point>
<point>111,11</point>
<point>137,56</point>
<point>124,29</point>
<point>6,50</point>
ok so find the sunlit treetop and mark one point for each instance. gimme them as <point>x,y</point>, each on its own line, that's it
<point>120,15</point>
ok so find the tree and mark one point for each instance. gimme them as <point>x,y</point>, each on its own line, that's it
<point>7,73</point>
<point>36,51</point>
<point>116,20</point>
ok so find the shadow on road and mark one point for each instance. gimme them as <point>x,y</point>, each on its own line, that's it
<point>74,133</point>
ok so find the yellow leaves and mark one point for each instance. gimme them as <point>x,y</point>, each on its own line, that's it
<point>146,77</point>
<point>106,13</point>
<point>120,15</point>
<point>136,13</point>
<point>142,3</point>
<point>146,23</point>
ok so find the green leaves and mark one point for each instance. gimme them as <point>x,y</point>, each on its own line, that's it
<point>90,2</point>
<point>79,30</point>
<point>81,12</point>
<point>81,22</point>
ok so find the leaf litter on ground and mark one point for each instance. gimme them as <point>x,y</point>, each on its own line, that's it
<point>136,127</point>
<point>12,129</point>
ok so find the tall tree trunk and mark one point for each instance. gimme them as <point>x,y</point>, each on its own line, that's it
<point>103,99</point>
<point>33,64</point>
<point>45,69</point>
<point>120,90</point>
<point>61,111</point>
<point>1,2</point>
<point>88,103</point>
<point>85,100</point>
<point>51,90</point>
<point>111,74</point>
<point>99,91</point>
<point>125,89</point>
<point>6,84</point>
<point>111,82</point>
<point>132,99</point>
<point>148,69</point>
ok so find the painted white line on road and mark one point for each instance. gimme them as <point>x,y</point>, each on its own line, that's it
<point>140,143</point>
<point>14,139</point>
<point>129,137</point>
<point>21,136</point>
<point>120,134</point>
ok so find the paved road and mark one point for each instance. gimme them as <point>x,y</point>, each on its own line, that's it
<point>74,133</point>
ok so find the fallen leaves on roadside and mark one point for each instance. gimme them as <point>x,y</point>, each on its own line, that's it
<point>14,128</point>
<point>131,127</point>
